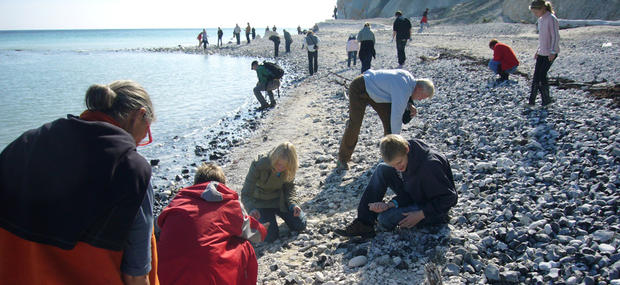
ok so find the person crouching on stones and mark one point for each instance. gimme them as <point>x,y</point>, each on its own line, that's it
<point>420,177</point>
<point>265,83</point>
<point>391,94</point>
<point>504,60</point>
<point>269,190</point>
<point>205,234</point>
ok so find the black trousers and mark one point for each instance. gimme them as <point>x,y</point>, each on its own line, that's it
<point>288,46</point>
<point>400,50</point>
<point>247,37</point>
<point>276,48</point>
<point>313,61</point>
<point>540,81</point>
<point>366,60</point>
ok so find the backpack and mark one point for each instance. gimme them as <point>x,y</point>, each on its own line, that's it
<point>275,69</point>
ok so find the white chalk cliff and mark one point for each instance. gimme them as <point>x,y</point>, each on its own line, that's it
<point>477,10</point>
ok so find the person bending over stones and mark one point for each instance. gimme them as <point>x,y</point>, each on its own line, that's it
<point>269,190</point>
<point>504,60</point>
<point>78,204</point>
<point>205,234</point>
<point>420,177</point>
<point>266,82</point>
<point>391,94</point>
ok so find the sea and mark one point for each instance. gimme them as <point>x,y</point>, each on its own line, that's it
<point>44,75</point>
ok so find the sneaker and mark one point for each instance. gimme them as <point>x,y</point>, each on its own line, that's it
<point>342,165</point>
<point>357,228</point>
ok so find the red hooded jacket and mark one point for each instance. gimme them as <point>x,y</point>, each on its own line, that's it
<point>205,237</point>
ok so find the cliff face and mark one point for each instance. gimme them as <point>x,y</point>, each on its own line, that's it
<point>477,10</point>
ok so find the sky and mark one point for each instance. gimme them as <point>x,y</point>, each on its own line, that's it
<point>145,14</point>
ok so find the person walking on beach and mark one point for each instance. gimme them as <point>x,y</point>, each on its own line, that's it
<point>335,12</point>
<point>420,177</point>
<point>402,33</point>
<point>366,38</point>
<point>547,52</point>
<point>424,21</point>
<point>77,199</point>
<point>504,60</point>
<point>352,48</point>
<point>237,33</point>
<point>205,234</point>
<point>266,82</point>
<point>288,40</point>
<point>311,43</point>
<point>275,38</point>
<point>269,190</point>
<point>267,33</point>
<point>253,33</point>
<point>220,34</point>
<point>391,94</point>
<point>248,30</point>
<point>199,38</point>
<point>205,39</point>
<point>299,30</point>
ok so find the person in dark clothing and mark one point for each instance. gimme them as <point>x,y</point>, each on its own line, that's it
<point>266,82</point>
<point>366,38</point>
<point>248,31</point>
<point>78,205</point>
<point>402,33</point>
<point>275,38</point>
<point>299,30</point>
<point>311,43</point>
<point>220,33</point>
<point>423,183</point>
<point>288,40</point>
<point>335,12</point>
<point>253,33</point>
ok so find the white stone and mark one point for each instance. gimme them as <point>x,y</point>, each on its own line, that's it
<point>358,261</point>
<point>606,248</point>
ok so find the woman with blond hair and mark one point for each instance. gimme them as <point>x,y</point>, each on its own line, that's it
<point>548,49</point>
<point>269,190</point>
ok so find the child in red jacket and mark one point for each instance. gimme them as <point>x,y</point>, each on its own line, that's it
<point>504,60</point>
<point>205,234</point>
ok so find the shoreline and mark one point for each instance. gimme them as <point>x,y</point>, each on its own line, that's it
<point>538,189</point>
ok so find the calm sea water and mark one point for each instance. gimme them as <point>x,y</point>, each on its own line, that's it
<point>45,74</point>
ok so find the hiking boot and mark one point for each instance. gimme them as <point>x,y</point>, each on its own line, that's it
<point>342,165</point>
<point>273,104</point>
<point>357,228</point>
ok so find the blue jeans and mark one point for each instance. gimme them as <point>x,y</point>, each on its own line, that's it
<point>400,50</point>
<point>293,223</point>
<point>383,177</point>
<point>352,55</point>
<point>389,219</point>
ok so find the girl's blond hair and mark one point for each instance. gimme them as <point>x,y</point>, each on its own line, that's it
<point>541,4</point>
<point>286,152</point>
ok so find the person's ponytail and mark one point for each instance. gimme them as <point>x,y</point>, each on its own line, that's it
<point>549,7</point>
<point>100,98</point>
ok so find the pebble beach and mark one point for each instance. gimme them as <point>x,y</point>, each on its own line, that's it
<point>538,187</point>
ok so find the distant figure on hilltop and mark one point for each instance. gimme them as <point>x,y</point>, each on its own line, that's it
<point>315,28</point>
<point>424,21</point>
<point>269,190</point>
<point>352,47</point>
<point>402,33</point>
<point>275,38</point>
<point>237,33</point>
<point>366,38</point>
<point>288,40</point>
<point>391,94</point>
<point>220,34</point>
<point>547,52</point>
<point>299,30</point>
<point>311,43</point>
<point>205,234</point>
<point>504,60</point>
<point>248,30</point>
<point>420,177</point>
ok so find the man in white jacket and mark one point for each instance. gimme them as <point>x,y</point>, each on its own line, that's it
<point>388,92</point>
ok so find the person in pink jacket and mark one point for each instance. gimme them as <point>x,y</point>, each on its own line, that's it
<point>352,47</point>
<point>205,234</point>
<point>548,49</point>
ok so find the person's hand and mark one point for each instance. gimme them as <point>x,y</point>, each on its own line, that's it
<point>552,57</point>
<point>413,110</point>
<point>255,213</point>
<point>411,219</point>
<point>296,211</point>
<point>378,207</point>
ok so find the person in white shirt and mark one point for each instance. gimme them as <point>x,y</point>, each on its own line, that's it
<point>311,43</point>
<point>390,93</point>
